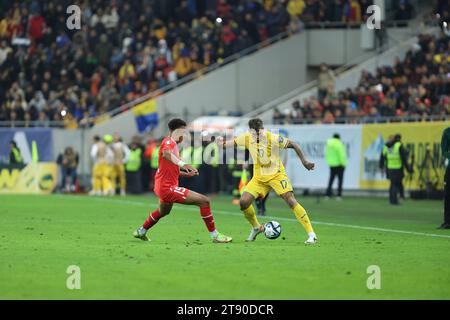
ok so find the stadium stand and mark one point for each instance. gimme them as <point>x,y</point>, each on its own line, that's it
<point>416,86</point>
<point>53,77</point>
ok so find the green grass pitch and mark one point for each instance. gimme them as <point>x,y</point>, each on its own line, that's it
<point>42,235</point>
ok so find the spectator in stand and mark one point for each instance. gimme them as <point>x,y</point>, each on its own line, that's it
<point>295,8</point>
<point>250,26</point>
<point>404,10</point>
<point>277,116</point>
<point>326,79</point>
<point>331,10</point>
<point>103,51</point>
<point>36,25</point>
<point>277,20</point>
<point>5,51</point>
<point>353,11</point>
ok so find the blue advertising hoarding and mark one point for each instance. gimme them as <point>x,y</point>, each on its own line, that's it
<point>24,138</point>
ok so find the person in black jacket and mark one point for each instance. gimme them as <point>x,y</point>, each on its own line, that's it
<point>445,146</point>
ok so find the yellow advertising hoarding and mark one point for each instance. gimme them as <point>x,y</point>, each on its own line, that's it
<point>37,178</point>
<point>422,140</point>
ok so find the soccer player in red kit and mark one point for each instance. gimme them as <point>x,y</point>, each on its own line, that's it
<point>170,167</point>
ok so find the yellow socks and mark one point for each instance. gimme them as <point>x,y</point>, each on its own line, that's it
<point>302,217</point>
<point>299,211</point>
<point>250,215</point>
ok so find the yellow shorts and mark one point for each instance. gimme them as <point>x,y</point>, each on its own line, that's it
<point>280,183</point>
<point>101,170</point>
<point>118,170</point>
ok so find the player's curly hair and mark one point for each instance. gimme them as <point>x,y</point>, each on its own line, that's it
<point>175,124</point>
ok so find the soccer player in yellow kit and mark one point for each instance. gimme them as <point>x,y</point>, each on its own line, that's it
<point>268,173</point>
<point>101,172</point>
<point>121,153</point>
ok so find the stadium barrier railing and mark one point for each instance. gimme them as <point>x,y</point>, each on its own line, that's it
<point>33,124</point>
<point>370,119</point>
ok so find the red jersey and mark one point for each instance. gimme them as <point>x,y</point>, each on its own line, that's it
<point>167,173</point>
<point>36,27</point>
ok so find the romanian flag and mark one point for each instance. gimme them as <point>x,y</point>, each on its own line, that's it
<point>243,182</point>
<point>146,115</point>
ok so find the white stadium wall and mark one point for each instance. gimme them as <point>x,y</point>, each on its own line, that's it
<point>342,46</point>
<point>245,84</point>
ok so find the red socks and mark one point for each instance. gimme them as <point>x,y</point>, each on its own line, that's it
<point>204,211</point>
<point>208,218</point>
<point>152,219</point>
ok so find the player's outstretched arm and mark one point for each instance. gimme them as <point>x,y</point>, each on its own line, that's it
<point>222,143</point>
<point>294,145</point>
<point>170,156</point>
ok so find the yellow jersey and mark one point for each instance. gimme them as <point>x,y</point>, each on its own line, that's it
<point>265,153</point>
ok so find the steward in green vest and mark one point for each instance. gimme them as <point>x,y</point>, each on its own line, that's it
<point>198,183</point>
<point>211,156</point>
<point>445,148</point>
<point>186,156</point>
<point>394,160</point>
<point>392,156</point>
<point>133,170</point>
<point>336,156</point>
<point>155,158</point>
<point>15,157</point>
<point>134,160</point>
<point>197,157</point>
<point>235,171</point>
<point>335,152</point>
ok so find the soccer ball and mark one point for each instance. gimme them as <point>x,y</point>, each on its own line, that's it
<point>272,230</point>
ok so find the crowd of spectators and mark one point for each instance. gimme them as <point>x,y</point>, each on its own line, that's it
<point>417,86</point>
<point>126,49</point>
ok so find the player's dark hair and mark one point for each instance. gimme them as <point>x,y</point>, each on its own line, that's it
<point>256,124</point>
<point>175,124</point>
<point>97,138</point>
<point>14,144</point>
<point>337,136</point>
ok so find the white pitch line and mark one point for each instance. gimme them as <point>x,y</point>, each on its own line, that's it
<point>341,225</point>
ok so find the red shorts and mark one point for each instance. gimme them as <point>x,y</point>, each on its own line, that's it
<point>172,195</point>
